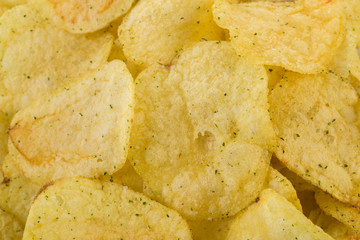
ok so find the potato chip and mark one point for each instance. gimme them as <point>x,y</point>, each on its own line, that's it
<point>82,130</point>
<point>156,30</point>
<point>125,176</point>
<point>300,35</point>
<point>219,228</point>
<point>347,214</point>
<point>331,226</point>
<point>275,74</point>
<point>315,121</point>
<point>283,186</point>
<point>77,16</point>
<point>16,191</point>
<point>13,3</point>
<point>204,123</point>
<point>273,217</point>
<point>36,57</point>
<point>10,228</point>
<point>78,208</point>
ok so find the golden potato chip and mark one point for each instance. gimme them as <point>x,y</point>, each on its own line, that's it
<point>283,186</point>
<point>275,74</point>
<point>16,191</point>
<point>273,217</point>
<point>204,122</point>
<point>78,208</point>
<point>315,121</point>
<point>37,57</point>
<point>331,226</point>
<point>347,214</point>
<point>300,35</point>
<point>156,30</point>
<point>82,130</point>
<point>219,228</point>
<point>78,16</point>
<point>125,176</point>
<point>10,228</point>
<point>299,183</point>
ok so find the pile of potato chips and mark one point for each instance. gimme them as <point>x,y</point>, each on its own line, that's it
<point>180,119</point>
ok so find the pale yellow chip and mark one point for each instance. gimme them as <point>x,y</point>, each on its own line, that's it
<point>331,226</point>
<point>79,16</point>
<point>219,228</point>
<point>37,57</point>
<point>10,227</point>
<point>315,120</point>
<point>272,217</point>
<point>16,191</point>
<point>82,130</point>
<point>300,35</point>
<point>204,122</point>
<point>347,214</point>
<point>282,186</point>
<point>78,208</point>
<point>156,30</point>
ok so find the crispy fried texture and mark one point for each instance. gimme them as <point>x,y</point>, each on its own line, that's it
<point>193,122</point>
<point>300,35</point>
<point>272,217</point>
<point>156,30</point>
<point>82,130</point>
<point>88,209</point>
<point>37,57</point>
<point>315,120</point>
<point>79,16</point>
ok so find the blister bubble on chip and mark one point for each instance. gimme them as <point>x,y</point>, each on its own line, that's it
<point>156,30</point>
<point>78,208</point>
<point>315,120</point>
<point>273,217</point>
<point>78,16</point>
<point>10,227</point>
<point>204,122</point>
<point>300,35</point>
<point>16,191</point>
<point>36,57</point>
<point>82,130</point>
<point>347,214</point>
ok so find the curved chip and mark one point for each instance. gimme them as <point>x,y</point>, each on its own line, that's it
<point>315,120</point>
<point>300,35</point>
<point>10,228</point>
<point>82,130</point>
<point>282,186</point>
<point>36,57</point>
<point>331,226</point>
<point>78,208</point>
<point>156,30</point>
<point>78,16</point>
<point>204,123</point>
<point>347,214</point>
<point>219,228</point>
<point>16,191</point>
<point>272,217</point>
